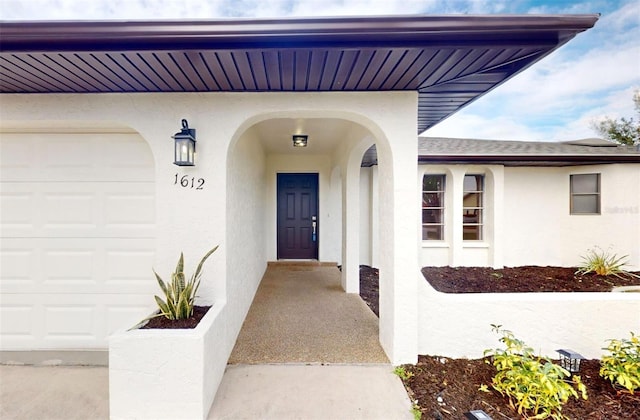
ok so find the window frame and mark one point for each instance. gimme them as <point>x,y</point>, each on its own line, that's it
<point>481,208</point>
<point>597,194</point>
<point>440,209</point>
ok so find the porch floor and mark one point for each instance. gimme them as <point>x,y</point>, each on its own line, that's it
<point>301,314</point>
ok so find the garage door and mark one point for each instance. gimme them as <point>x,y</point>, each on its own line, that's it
<point>77,232</point>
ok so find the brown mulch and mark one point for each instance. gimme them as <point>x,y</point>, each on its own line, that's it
<point>369,287</point>
<point>445,388</point>
<point>521,279</point>
<point>161,322</point>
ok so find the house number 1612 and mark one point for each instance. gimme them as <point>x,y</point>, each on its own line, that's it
<point>185,181</point>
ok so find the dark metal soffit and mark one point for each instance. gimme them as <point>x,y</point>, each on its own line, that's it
<point>449,60</point>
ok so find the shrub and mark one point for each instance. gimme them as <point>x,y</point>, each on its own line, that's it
<point>402,373</point>
<point>535,386</point>
<point>180,294</point>
<point>604,263</point>
<point>622,365</point>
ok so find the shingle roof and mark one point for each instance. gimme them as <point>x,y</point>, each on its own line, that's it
<point>524,153</point>
<point>433,150</point>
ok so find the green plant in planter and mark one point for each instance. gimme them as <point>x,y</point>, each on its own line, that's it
<point>535,386</point>
<point>180,294</point>
<point>604,263</point>
<point>622,365</point>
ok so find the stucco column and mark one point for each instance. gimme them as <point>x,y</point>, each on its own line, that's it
<point>350,277</point>
<point>457,187</point>
<point>375,219</point>
<point>399,242</point>
<point>495,202</point>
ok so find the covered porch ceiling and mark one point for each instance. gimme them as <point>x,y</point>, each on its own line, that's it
<point>449,60</point>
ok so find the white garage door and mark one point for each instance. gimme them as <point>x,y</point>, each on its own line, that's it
<point>77,232</point>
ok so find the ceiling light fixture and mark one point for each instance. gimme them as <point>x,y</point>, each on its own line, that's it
<point>300,140</point>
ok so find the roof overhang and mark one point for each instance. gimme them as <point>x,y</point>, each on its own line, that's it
<point>449,60</point>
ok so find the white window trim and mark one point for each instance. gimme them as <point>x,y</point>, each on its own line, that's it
<point>436,242</point>
<point>482,223</point>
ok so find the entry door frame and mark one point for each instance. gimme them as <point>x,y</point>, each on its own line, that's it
<point>302,252</point>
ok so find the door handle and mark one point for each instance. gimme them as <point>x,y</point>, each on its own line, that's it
<point>313,226</point>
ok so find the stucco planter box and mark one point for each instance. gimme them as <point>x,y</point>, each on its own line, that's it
<point>164,373</point>
<point>459,325</point>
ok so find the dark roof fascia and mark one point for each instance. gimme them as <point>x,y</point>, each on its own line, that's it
<point>32,36</point>
<point>530,160</point>
<point>563,38</point>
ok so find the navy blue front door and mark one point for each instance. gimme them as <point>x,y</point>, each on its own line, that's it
<point>297,216</point>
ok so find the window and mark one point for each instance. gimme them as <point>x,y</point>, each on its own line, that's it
<point>433,207</point>
<point>585,194</point>
<point>473,206</point>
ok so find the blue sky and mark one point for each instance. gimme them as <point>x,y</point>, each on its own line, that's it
<point>593,76</point>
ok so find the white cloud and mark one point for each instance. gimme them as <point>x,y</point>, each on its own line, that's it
<point>558,97</point>
<point>208,9</point>
<point>469,125</point>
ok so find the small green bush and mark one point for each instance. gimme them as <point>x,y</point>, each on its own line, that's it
<point>621,365</point>
<point>604,263</point>
<point>180,294</point>
<point>535,386</point>
<point>403,373</point>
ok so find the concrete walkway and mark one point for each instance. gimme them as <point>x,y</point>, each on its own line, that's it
<point>54,392</point>
<point>336,392</point>
<point>307,350</point>
<point>300,314</point>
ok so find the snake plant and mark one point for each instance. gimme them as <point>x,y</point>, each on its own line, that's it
<point>179,295</point>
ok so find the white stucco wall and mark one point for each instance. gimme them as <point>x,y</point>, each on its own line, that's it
<point>541,231</point>
<point>459,325</point>
<point>193,221</point>
<point>366,219</point>
<point>245,230</point>
<point>527,219</point>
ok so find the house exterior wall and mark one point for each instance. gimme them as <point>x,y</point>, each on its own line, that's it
<point>453,250</point>
<point>366,219</point>
<point>528,221</point>
<point>232,200</point>
<point>245,231</point>
<point>543,232</point>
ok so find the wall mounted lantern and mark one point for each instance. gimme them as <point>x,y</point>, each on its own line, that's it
<point>300,140</point>
<point>570,360</point>
<point>185,145</point>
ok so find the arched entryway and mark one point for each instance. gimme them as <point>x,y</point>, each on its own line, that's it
<point>263,148</point>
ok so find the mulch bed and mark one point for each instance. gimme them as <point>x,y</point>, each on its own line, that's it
<point>445,388</point>
<point>161,322</point>
<point>369,287</point>
<point>520,279</point>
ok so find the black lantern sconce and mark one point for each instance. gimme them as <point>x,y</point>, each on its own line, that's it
<point>570,360</point>
<point>300,140</point>
<point>185,145</point>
